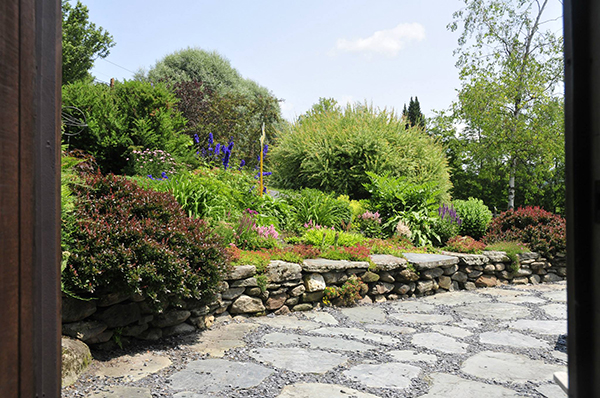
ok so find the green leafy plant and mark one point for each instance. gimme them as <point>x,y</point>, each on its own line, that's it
<point>512,250</point>
<point>332,148</point>
<point>345,295</point>
<point>327,237</point>
<point>311,206</point>
<point>475,217</point>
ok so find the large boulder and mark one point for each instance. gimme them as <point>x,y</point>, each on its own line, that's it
<point>76,357</point>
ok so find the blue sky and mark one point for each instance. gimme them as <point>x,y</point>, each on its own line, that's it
<point>381,51</point>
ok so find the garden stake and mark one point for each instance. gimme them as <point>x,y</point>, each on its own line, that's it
<point>262,146</point>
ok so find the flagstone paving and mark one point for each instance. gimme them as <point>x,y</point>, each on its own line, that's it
<point>487,343</point>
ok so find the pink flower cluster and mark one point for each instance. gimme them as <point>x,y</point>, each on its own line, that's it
<point>367,215</point>
<point>311,225</point>
<point>266,232</point>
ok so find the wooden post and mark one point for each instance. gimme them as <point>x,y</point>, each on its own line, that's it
<point>262,151</point>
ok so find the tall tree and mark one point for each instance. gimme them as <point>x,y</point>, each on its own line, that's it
<point>509,105</point>
<point>82,42</point>
<point>415,117</point>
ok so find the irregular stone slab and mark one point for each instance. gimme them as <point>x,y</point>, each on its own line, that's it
<point>171,318</point>
<point>122,392</point>
<point>364,314</point>
<point>326,343</point>
<point>556,295</point>
<point>386,262</point>
<point>215,342</point>
<point>504,367</point>
<point>286,322</point>
<point>439,342</point>
<point>502,311</point>
<point>546,287</point>
<point>412,356</point>
<point>387,375</point>
<point>453,331</point>
<point>512,339</point>
<point>133,367</point>
<point>74,310</point>
<point>497,257</point>
<point>555,310</point>
<point>455,298</point>
<point>281,271</point>
<point>321,265</point>
<point>468,323</point>
<point>84,330</point>
<point>318,390</point>
<point>212,375</point>
<point>391,329</point>
<point>357,334</point>
<point>445,385</point>
<point>188,394</point>
<point>521,299</point>
<point>76,357</point>
<point>551,391</point>
<point>322,317</point>
<point>422,318</point>
<point>423,261</point>
<point>247,304</point>
<point>299,360</point>
<point>412,306</point>
<point>314,282</point>
<point>241,272</point>
<point>561,356</point>
<point>540,327</point>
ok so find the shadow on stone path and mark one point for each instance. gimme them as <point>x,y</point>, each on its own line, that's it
<point>495,342</point>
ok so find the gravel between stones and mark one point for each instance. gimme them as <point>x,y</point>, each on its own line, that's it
<point>178,350</point>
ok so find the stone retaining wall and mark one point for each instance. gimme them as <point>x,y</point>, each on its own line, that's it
<point>286,287</point>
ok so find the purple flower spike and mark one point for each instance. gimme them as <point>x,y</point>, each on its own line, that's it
<point>210,139</point>
<point>196,139</point>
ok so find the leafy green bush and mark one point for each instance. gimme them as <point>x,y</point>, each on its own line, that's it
<point>332,149</point>
<point>345,295</point>
<point>448,223</point>
<point>130,239</point>
<point>512,250</point>
<point>132,115</point>
<point>329,237</point>
<point>539,229</point>
<point>475,217</point>
<point>311,206</point>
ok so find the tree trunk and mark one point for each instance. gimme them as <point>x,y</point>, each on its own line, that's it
<point>511,184</point>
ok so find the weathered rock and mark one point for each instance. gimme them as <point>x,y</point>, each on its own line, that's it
<point>101,338</point>
<point>470,286</point>
<point>431,273</point>
<point>497,257</point>
<point>171,318</point>
<point>298,290</point>
<point>535,279</point>
<point>380,299</point>
<point>486,281</point>
<point>365,300</point>
<point>474,274</point>
<point>151,334</point>
<point>489,269</point>
<point>334,278</point>
<point>551,278</point>
<point>537,265</point>
<point>312,296</point>
<point>451,269</point>
<point>182,328</point>
<point>424,286</point>
<point>314,282</point>
<point>369,277</point>
<point>76,357</point>
<point>302,307</point>
<point>385,276</point>
<point>386,262</point>
<point>445,282</point>
<point>234,292</point>
<point>460,277</point>
<point>278,291</point>
<point>246,304</point>
<point>251,291</point>
<point>469,259</point>
<point>561,271</point>
<point>284,310</point>
<point>248,282</point>
<point>500,266</point>
<point>223,306</point>
<point>522,272</point>
<point>382,288</point>
<point>408,275</point>
<point>423,261</point>
<point>276,301</point>
<point>112,298</point>
<point>241,272</point>
<point>134,330</point>
<point>74,310</point>
<point>520,281</point>
<point>83,330</point>
<point>393,297</point>
<point>524,257</point>
<point>322,265</point>
<point>292,301</point>
<point>119,315</point>
<point>221,287</point>
<point>281,271</point>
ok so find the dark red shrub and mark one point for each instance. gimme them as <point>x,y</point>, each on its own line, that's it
<point>464,244</point>
<point>541,230</point>
<point>130,239</point>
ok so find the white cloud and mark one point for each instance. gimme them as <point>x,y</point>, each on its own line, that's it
<point>387,42</point>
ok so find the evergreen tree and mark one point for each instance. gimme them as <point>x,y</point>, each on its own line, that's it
<point>415,117</point>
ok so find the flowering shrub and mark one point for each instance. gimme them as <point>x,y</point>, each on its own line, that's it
<point>353,253</point>
<point>369,224</point>
<point>154,163</point>
<point>475,217</point>
<point>464,244</point>
<point>448,224</point>
<point>541,230</point>
<point>130,239</point>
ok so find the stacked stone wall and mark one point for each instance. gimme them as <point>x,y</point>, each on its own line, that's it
<point>286,287</point>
